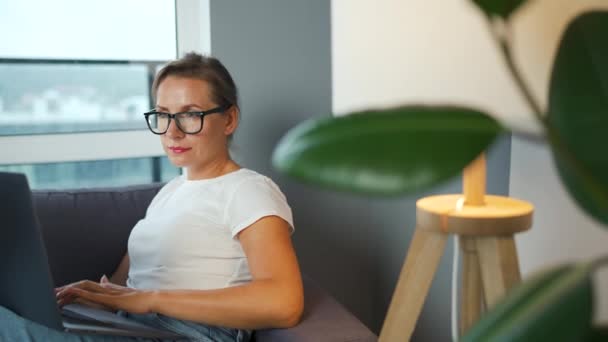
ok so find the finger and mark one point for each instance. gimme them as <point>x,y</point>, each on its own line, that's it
<point>60,295</point>
<point>88,285</point>
<point>66,299</point>
<point>104,279</point>
<point>61,288</point>
<point>98,298</point>
<point>99,290</point>
<point>95,287</point>
<point>64,302</point>
<point>69,292</point>
<point>75,284</point>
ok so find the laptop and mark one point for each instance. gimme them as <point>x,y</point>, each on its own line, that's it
<point>26,285</point>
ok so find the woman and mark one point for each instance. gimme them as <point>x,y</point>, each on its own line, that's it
<point>213,258</point>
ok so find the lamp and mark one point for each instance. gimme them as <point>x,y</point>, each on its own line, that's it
<point>486,225</point>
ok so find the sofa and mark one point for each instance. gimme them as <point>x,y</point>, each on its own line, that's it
<point>86,231</point>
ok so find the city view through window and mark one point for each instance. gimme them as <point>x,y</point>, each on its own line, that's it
<point>66,98</point>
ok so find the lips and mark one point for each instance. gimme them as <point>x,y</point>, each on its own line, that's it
<point>178,150</point>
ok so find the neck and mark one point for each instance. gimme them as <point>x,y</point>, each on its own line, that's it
<point>212,170</point>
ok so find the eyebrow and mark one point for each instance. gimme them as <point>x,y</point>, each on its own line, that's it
<point>182,108</point>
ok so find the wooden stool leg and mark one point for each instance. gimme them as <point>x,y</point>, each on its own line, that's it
<point>414,282</point>
<point>499,266</point>
<point>471,290</point>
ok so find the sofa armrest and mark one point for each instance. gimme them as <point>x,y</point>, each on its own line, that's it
<point>324,320</point>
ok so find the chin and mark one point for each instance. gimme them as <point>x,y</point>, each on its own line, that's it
<point>178,162</point>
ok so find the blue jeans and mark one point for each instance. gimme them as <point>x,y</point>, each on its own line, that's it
<point>16,328</point>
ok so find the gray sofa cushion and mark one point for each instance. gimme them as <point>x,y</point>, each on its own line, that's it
<point>86,230</point>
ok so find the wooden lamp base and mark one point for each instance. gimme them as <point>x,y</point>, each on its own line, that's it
<point>486,225</point>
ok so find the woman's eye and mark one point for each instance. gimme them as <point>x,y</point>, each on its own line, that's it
<point>189,116</point>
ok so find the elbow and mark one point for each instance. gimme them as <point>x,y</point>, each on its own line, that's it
<point>290,318</point>
<point>289,313</point>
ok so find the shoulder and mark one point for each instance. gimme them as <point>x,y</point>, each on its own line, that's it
<point>254,196</point>
<point>252,183</point>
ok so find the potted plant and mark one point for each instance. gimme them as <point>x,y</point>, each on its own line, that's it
<point>411,147</point>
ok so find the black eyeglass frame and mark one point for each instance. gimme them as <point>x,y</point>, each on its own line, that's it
<point>201,114</point>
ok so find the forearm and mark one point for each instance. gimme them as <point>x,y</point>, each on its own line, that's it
<point>259,304</point>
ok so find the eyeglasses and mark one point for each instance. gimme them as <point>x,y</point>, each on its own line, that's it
<point>187,122</point>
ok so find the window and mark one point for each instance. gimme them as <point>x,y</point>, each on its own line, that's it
<point>72,90</point>
<point>139,30</point>
<point>60,97</point>
<point>98,173</point>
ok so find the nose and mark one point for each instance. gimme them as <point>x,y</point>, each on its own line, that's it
<point>173,131</point>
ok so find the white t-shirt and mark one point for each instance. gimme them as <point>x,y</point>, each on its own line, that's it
<point>187,239</point>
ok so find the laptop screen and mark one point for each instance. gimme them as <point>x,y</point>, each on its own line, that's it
<point>26,287</point>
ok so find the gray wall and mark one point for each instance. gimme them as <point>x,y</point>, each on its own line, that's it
<point>279,54</point>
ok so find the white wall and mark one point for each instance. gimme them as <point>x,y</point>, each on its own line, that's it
<point>395,51</point>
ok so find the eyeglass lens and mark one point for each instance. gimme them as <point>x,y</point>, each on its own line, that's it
<point>187,122</point>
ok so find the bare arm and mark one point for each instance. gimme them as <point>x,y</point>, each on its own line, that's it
<point>122,272</point>
<point>274,297</point>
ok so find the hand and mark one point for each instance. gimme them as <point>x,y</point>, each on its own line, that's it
<point>105,295</point>
<point>63,298</point>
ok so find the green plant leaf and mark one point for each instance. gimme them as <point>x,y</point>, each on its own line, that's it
<point>501,8</point>
<point>578,112</point>
<point>386,152</point>
<point>555,305</point>
<point>599,334</point>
